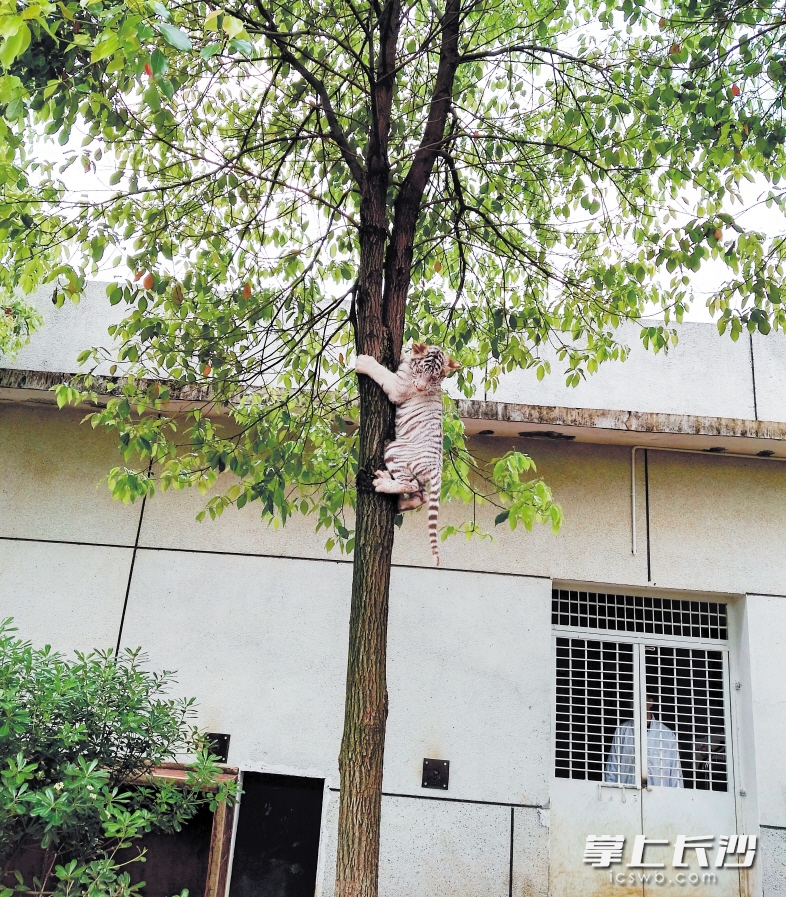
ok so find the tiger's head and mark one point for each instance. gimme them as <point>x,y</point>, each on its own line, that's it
<point>430,365</point>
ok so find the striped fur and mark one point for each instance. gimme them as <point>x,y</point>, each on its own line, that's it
<point>414,459</point>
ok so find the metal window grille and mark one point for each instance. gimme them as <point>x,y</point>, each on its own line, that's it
<point>595,691</point>
<point>601,701</point>
<point>684,687</point>
<point>639,613</point>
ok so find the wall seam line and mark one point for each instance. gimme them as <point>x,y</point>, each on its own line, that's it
<point>77,542</point>
<point>753,380</point>
<point>458,800</point>
<point>647,508</point>
<point>131,568</point>
<point>510,868</point>
<point>253,554</point>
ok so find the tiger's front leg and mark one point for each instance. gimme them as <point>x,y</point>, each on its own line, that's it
<point>391,384</point>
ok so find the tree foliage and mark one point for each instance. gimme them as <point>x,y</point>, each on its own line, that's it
<point>235,140</point>
<point>18,320</point>
<point>77,739</point>
<point>280,185</point>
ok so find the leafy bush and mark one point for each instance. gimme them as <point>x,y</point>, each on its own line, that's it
<point>17,321</point>
<point>78,738</point>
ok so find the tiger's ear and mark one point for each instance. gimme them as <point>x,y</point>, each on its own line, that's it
<point>419,349</point>
<point>451,366</point>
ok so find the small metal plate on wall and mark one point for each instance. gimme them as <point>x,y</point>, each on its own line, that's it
<point>218,743</point>
<point>436,774</point>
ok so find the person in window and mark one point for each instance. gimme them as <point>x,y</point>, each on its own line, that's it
<point>663,755</point>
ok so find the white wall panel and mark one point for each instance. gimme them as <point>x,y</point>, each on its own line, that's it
<point>432,848</point>
<point>68,596</point>
<point>170,522</point>
<point>443,849</point>
<point>52,484</point>
<point>767,634</point>
<point>704,374</point>
<point>769,356</point>
<point>530,853</point>
<point>716,524</point>
<point>261,643</point>
<point>591,483</point>
<point>772,857</point>
<point>69,330</point>
<point>469,675</point>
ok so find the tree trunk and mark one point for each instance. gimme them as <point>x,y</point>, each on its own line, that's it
<point>379,331</point>
<point>363,743</point>
<point>365,716</point>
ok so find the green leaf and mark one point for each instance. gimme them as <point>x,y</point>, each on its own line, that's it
<point>175,37</point>
<point>244,47</point>
<point>158,63</point>
<point>106,46</point>
<point>14,45</point>
<point>160,10</point>
<point>166,87</point>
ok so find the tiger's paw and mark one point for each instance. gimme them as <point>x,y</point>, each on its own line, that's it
<point>386,485</point>
<point>364,364</point>
<point>415,500</point>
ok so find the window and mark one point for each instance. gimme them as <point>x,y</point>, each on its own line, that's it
<point>595,693</point>
<point>609,693</point>
<point>688,683</point>
<point>639,613</point>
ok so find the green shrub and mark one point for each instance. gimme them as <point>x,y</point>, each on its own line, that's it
<point>77,739</point>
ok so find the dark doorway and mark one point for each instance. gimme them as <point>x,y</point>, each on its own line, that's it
<point>177,860</point>
<point>277,841</point>
<point>173,861</point>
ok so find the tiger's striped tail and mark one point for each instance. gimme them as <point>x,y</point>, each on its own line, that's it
<point>434,490</point>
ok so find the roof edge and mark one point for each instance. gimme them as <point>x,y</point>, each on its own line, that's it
<point>507,419</point>
<point>625,421</point>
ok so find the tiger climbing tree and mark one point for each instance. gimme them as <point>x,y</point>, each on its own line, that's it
<point>275,187</point>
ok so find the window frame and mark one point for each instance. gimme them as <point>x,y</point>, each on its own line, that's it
<point>657,639</point>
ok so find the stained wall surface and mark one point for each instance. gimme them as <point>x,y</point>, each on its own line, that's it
<point>255,622</point>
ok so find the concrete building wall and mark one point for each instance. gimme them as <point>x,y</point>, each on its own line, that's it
<point>715,524</point>
<point>255,621</point>
<point>260,640</point>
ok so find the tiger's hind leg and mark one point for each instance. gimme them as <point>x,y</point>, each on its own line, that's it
<point>398,479</point>
<point>415,500</point>
<point>386,481</point>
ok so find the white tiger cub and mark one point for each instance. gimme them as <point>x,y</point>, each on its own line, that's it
<point>414,459</point>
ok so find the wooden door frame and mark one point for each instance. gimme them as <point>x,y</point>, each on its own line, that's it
<point>223,822</point>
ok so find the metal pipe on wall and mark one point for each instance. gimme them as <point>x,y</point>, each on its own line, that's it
<point>657,448</point>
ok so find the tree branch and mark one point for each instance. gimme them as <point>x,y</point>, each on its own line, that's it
<point>532,49</point>
<point>336,131</point>
<point>398,261</point>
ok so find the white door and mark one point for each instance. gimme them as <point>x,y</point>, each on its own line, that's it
<point>597,685</point>
<point>690,690</point>
<point>642,747</point>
